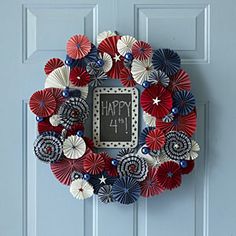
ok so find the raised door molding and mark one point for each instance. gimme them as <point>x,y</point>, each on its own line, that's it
<point>47,27</point>
<point>181,27</point>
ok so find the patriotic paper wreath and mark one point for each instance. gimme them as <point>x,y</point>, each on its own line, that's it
<point>165,151</point>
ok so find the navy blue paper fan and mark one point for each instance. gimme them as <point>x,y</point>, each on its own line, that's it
<point>97,181</point>
<point>105,194</point>
<point>184,101</point>
<point>124,151</point>
<point>126,190</point>
<point>91,56</point>
<point>166,60</point>
<point>143,135</point>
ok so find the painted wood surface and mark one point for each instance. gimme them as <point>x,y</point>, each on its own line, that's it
<point>33,203</point>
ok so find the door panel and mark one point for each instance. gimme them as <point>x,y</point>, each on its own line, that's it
<point>184,27</point>
<point>33,203</point>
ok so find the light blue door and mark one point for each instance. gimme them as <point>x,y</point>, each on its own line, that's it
<point>33,203</point>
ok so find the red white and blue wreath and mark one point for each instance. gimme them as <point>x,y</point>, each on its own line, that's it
<point>165,151</point>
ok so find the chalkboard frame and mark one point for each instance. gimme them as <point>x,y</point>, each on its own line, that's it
<point>134,117</point>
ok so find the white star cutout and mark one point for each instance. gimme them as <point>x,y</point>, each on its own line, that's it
<point>116,57</point>
<point>156,101</point>
<point>103,179</point>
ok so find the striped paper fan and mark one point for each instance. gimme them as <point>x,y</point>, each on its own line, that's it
<point>105,194</point>
<point>48,147</point>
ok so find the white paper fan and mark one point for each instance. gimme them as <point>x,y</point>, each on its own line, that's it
<point>54,120</point>
<point>103,35</point>
<point>141,70</point>
<point>149,119</point>
<point>81,189</point>
<point>163,157</point>
<point>58,78</point>
<point>192,155</point>
<point>74,147</point>
<point>125,44</point>
<point>107,61</point>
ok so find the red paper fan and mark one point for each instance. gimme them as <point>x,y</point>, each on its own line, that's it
<point>150,186</point>
<point>156,101</point>
<point>169,175</point>
<point>42,103</point>
<point>53,64</point>
<point>89,142</point>
<point>57,94</point>
<point>179,81</point>
<point>187,124</point>
<point>74,129</point>
<point>78,46</point>
<point>63,168</point>
<point>79,76</point>
<point>155,139</point>
<point>45,126</point>
<point>108,45</point>
<point>94,163</point>
<point>141,50</point>
<point>126,78</point>
<point>189,168</point>
<point>110,169</point>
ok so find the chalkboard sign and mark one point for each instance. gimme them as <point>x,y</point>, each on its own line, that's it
<point>115,117</point>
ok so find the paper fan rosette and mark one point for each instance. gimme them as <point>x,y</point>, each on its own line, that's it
<point>42,103</point>
<point>64,168</point>
<point>53,64</point>
<point>78,46</point>
<point>165,151</point>
<point>156,100</point>
<point>109,46</point>
<point>125,44</point>
<point>81,189</point>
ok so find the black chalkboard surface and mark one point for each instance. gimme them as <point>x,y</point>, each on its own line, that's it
<point>115,117</point>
